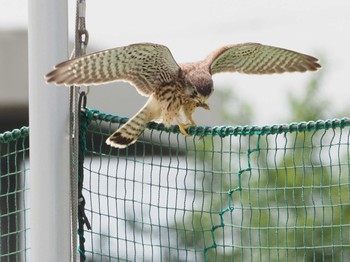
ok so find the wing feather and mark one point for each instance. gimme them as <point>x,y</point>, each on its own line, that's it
<point>145,65</point>
<point>254,58</point>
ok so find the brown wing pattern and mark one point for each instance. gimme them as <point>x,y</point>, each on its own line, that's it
<point>254,58</point>
<point>145,66</point>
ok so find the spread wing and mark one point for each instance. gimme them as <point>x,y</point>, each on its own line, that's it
<point>146,66</point>
<point>254,58</point>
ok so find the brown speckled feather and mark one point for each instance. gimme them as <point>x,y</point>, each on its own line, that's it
<point>139,64</point>
<point>175,91</point>
<point>254,58</point>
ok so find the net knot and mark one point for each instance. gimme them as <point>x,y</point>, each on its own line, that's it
<point>343,122</point>
<point>222,131</point>
<point>90,113</point>
<point>14,135</point>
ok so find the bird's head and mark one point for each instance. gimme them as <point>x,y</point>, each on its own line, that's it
<point>202,82</point>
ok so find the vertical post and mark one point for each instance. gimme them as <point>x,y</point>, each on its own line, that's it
<point>49,121</point>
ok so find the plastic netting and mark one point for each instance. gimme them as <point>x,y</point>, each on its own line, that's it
<point>273,193</point>
<point>14,152</point>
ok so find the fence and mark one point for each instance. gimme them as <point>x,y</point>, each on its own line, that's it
<point>14,153</point>
<point>273,193</point>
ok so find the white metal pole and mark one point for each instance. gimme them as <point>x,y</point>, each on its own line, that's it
<point>49,133</point>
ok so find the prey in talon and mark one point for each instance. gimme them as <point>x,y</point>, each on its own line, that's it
<point>204,105</point>
<point>175,90</point>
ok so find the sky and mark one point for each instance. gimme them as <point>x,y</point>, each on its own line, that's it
<point>192,29</point>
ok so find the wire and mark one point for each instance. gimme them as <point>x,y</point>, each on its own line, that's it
<point>81,41</point>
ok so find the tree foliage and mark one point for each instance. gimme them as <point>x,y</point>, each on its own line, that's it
<point>291,202</point>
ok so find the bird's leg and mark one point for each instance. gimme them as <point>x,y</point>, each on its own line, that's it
<point>194,124</point>
<point>206,107</point>
<point>192,121</point>
<point>183,128</point>
<point>188,110</point>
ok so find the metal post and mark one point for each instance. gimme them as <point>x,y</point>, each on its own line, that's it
<point>49,121</point>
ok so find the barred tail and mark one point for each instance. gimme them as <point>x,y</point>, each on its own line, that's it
<point>128,133</point>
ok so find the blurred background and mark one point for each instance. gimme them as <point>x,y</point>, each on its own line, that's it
<point>192,29</point>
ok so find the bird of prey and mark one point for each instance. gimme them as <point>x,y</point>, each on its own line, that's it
<point>174,90</point>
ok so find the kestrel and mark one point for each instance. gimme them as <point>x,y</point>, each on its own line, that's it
<point>174,90</point>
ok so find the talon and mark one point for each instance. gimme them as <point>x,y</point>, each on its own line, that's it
<point>200,137</point>
<point>183,128</point>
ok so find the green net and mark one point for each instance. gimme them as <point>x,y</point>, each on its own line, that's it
<point>272,193</point>
<point>13,190</point>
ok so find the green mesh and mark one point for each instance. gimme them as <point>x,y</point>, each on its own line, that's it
<point>273,193</point>
<point>13,209</point>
